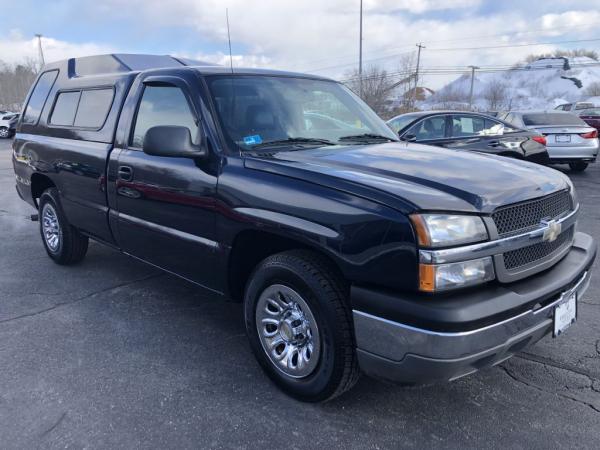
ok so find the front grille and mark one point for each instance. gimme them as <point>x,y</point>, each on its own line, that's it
<point>526,216</point>
<point>536,252</point>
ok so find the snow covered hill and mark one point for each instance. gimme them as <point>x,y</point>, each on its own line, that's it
<point>544,83</point>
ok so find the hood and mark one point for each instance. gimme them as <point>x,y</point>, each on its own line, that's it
<point>420,177</point>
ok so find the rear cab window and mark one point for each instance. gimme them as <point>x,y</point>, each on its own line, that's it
<point>87,108</point>
<point>94,106</point>
<point>534,119</point>
<point>590,112</point>
<point>38,97</point>
<point>65,108</point>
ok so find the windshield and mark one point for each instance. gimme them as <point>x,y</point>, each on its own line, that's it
<point>590,112</point>
<point>256,109</point>
<point>398,123</point>
<point>552,119</point>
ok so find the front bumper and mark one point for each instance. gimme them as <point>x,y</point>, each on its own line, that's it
<point>444,339</point>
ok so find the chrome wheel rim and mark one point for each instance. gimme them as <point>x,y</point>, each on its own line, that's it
<point>288,331</point>
<point>51,227</point>
<point>3,132</point>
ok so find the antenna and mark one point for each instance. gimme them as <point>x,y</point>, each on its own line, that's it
<point>229,39</point>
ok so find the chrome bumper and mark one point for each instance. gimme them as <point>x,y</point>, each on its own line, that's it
<point>403,353</point>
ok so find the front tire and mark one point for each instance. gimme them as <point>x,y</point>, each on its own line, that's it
<point>300,326</point>
<point>4,133</point>
<point>63,242</point>
<point>578,166</point>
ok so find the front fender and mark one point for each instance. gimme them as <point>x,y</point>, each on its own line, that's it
<point>370,242</point>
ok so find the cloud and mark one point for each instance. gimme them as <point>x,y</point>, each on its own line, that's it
<point>321,37</point>
<point>417,6</point>
<point>15,48</point>
<point>580,20</point>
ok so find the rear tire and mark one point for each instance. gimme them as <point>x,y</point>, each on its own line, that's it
<point>300,325</point>
<point>63,242</point>
<point>578,166</point>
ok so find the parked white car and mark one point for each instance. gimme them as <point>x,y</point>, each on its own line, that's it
<point>8,123</point>
<point>569,140</point>
<point>574,106</point>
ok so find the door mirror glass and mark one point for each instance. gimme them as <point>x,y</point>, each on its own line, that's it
<point>171,141</point>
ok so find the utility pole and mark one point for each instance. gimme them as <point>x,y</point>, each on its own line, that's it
<point>420,46</point>
<point>360,39</point>
<point>40,50</point>
<point>472,82</point>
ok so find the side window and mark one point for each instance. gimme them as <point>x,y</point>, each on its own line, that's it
<point>39,96</point>
<point>162,105</point>
<point>430,128</point>
<point>93,108</point>
<point>465,126</point>
<point>65,108</point>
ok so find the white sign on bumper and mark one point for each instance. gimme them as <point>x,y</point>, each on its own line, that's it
<point>565,314</point>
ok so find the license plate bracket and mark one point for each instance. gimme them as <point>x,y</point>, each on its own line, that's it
<point>565,314</point>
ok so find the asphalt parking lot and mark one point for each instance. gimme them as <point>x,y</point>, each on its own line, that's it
<point>115,354</point>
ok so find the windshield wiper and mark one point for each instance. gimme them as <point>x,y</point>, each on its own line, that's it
<point>367,137</point>
<point>293,141</point>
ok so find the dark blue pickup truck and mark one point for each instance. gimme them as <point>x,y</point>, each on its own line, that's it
<point>349,249</point>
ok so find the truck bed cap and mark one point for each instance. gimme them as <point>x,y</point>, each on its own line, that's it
<point>115,63</point>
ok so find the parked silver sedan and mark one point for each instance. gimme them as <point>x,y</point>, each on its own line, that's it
<point>569,139</point>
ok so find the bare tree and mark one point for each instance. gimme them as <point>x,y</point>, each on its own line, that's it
<point>402,87</point>
<point>495,94</point>
<point>15,82</point>
<point>592,89</point>
<point>376,85</point>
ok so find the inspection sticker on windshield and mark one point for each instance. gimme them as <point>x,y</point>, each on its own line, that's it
<point>253,140</point>
<point>565,314</point>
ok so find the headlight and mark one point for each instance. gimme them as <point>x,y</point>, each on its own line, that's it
<point>444,230</point>
<point>441,277</point>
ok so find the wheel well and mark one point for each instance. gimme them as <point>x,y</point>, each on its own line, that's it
<point>39,183</point>
<point>249,249</point>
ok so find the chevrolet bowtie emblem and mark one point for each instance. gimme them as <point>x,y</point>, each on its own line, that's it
<point>552,231</point>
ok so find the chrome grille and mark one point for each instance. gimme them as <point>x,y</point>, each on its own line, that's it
<point>526,216</point>
<point>534,253</point>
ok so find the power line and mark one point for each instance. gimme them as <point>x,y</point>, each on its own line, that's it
<point>463,70</point>
<point>531,44</point>
<point>394,49</point>
<point>513,45</point>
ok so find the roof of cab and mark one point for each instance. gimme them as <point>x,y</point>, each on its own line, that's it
<point>126,63</point>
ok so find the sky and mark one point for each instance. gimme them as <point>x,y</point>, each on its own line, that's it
<point>315,36</point>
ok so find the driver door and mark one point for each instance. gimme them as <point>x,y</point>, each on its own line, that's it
<point>165,205</point>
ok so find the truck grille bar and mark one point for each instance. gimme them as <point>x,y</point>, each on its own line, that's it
<point>525,216</point>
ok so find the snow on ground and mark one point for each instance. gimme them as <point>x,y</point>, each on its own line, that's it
<point>544,83</point>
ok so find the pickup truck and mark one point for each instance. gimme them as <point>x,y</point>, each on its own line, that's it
<point>350,250</point>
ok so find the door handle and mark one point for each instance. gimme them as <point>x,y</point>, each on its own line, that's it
<point>125,173</point>
<point>494,143</point>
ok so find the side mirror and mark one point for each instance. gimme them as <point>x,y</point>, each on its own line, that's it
<point>171,141</point>
<point>409,138</point>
